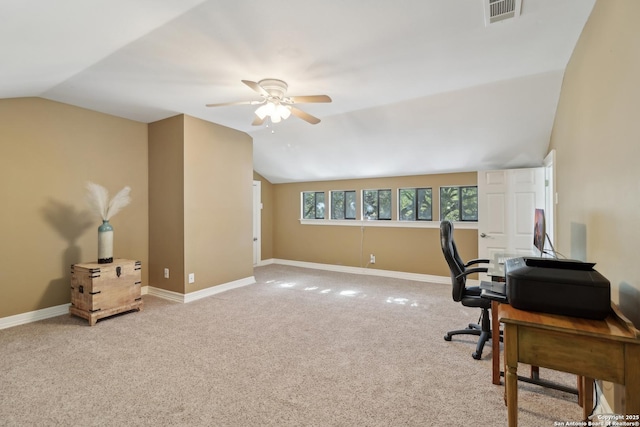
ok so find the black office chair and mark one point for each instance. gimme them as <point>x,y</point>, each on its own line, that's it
<point>469,296</point>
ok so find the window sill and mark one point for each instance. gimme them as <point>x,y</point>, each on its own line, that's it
<point>471,225</point>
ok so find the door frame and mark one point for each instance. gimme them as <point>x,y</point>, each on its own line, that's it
<point>257,222</point>
<point>551,195</point>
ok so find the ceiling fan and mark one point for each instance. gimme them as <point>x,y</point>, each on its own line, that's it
<point>275,104</point>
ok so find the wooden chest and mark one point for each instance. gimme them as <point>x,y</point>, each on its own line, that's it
<point>102,290</point>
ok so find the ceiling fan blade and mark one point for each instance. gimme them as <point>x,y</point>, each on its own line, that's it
<point>304,116</point>
<point>222,104</point>
<point>309,98</point>
<point>255,86</point>
<point>257,121</point>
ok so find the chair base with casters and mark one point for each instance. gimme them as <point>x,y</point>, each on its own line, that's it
<point>481,329</point>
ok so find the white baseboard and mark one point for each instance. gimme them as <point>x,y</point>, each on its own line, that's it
<point>193,296</point>
<point>361,270</point>
<point>45,313</point>
<point>34,316</point>
<point>164,294</point>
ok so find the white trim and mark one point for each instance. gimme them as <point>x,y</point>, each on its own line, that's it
<point>264,262</point>
<point>34,316</point>
<point>203,293</point>
<point>257,221</point>
<point>164,294</point>
<point>59,310</point>
<point>367,271</point>
<point>470,225</point>
<point>551,194</point>
<point>193,296</point>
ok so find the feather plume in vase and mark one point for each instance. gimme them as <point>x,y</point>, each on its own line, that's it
<point>98,200</point>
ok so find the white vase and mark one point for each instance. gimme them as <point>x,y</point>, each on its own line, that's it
<point>105,243</point>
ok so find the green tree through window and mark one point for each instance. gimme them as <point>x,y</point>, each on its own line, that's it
<point>415,204</point>
<point>459,203</point>
<point>313,205</point>
<point>343,204</point>
<point>376,204</point>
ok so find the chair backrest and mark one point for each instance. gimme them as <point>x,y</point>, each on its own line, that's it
<point>456,265</point>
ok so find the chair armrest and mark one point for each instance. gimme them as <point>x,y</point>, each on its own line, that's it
<point>477,261</point>
<point>472,270</point>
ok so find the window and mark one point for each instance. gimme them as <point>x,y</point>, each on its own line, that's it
<point>459,203</point>
<point>343,204</point>
<point>313,205</point>
<point>414,204</point>
<point>376,204</point>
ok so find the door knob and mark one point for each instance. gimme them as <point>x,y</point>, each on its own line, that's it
<point>483,235</point>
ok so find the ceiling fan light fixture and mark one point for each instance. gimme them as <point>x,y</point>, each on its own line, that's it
<point>283,111</point>
<point>276,112</point>
<point>265,110</point>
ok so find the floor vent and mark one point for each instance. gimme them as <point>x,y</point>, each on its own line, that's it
<point>498,10</point>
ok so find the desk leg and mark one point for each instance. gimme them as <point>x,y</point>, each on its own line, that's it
<point>632,379</point>
<point>580,388</point>
<point>587,396</point>
<point>495,343</point>
<point>511,372</point>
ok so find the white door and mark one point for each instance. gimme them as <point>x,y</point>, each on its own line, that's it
<point>257,215</point>
<point>507,200</point>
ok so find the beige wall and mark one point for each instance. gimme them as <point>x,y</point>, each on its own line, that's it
<point>200,201</point>
<point>597,139</point>
<point>196,177</point>
<point>48,151</point>
<point>413,250</point>
<point>166,203</point>
<point>218,204</point>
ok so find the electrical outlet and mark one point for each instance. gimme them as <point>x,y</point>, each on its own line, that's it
<point>192,277</point>
<point>166,273</point>
<point>372,259</point>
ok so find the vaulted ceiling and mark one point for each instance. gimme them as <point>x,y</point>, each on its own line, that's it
<point>418,86</point>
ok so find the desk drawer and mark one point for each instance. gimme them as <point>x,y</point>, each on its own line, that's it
<point>587,356</point>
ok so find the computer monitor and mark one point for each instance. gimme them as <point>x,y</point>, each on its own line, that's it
<point>539,230</point>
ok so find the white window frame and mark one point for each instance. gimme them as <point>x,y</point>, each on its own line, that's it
<point>390,190</point>
<point>415,190</point>
<point>302,218</point>
<point>330,204</point>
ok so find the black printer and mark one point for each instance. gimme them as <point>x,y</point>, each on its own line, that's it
<point>557,286</point>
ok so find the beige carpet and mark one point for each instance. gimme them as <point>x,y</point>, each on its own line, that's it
<point>301,347</point>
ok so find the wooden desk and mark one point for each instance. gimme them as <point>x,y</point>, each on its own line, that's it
<point>604,349</point>
<point>496,274</point>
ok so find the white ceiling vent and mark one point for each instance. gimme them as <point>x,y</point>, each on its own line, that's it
<point>498,10</point>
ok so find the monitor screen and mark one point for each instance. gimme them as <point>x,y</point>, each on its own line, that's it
<point>539,230</point>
